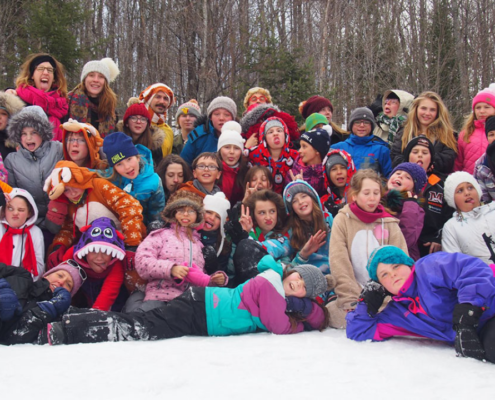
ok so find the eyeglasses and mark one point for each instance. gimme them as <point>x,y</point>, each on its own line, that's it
<point>82,273</point>
<point>50,70</point>
<point>392,101</point>
<point>135,118</point>
<point>203,167</point>
<point>363,122</point>
<point>186,211</point>
<point>76,140</point>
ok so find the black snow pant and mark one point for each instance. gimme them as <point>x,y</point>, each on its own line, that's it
<point>487,337</point>
<point>185,315</point>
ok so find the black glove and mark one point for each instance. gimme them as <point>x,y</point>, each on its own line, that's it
<point>467,342</point>
<point>59,303</point>
<point>302,306</point>
<point>373,295</point>
<point>234,228</point>
<point>211,259</point>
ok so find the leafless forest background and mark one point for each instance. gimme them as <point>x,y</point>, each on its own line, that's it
<point>346,50</point>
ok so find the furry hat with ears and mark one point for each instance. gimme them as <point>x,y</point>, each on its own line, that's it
<point>183,198</point>
<point>30,117</point>
<point>10,103</point>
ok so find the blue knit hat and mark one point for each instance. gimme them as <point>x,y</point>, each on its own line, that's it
<point>417,173</point>
<point>117,147</point>
<point>387,255</point>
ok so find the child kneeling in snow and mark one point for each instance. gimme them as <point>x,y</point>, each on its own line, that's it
<point>274,301</point>
<point>449,297</point>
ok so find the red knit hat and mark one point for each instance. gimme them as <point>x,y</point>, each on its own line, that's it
<point>313,105</point>
<point>136,109</point>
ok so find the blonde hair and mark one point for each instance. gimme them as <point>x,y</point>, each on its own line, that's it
<point>468,127</point>
<point>358,179</point>
<point>25,77</point>
<point>440,129</point>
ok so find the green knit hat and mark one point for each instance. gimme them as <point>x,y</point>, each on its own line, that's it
<point>315,119</point>
<point>387,255</point>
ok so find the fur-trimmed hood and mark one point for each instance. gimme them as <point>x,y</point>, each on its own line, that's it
<point>183,198</point>
<point>252,121</point>
<point>32,117</point>
<point>157,135</point>
<point>10,103</point>
<point>255,114</point>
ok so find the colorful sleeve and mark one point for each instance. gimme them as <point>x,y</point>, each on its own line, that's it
<point>111,288</point>
<point>148,265</point>
<point>278,247</point>
<point>3,171</point>
<point>156,203</point>
<point>65,236</point>
<point>360,326</point>
<point>470,276</point>
<point>128,209</point>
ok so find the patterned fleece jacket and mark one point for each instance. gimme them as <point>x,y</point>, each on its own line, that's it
<point>260,155</point>
<point>100,199</point>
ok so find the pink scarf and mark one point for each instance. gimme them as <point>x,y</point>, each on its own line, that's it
<point>55,106</point>
<point>368,217</point>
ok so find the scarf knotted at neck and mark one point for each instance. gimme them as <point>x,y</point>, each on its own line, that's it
<point>7,245</point>
<point>393,124</point>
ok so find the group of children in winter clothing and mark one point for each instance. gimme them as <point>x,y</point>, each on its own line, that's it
<point>257,226</point>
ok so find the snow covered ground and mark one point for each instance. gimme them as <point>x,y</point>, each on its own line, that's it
<point>258,366</point>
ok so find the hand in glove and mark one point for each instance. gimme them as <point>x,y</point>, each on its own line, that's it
<point>59,303</point>
<point>373,295</point>
<point>298,305</point>
<point>467,342</point>
<point>211,259</point>
<point>234,228</point>
<point>9,303</point>
<point>130,255</point>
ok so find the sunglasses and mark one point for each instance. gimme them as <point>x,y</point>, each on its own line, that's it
<point>82,273</point>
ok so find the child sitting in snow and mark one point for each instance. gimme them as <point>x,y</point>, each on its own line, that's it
<point>100,252</point>
<point>170,259</point>
<point>448,297</point>
<point>21,242</point>
<point>472,228</point>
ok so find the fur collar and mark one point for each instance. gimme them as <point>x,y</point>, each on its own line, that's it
<point>254,115</point>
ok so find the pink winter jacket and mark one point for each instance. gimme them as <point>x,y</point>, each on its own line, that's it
<point>156,256</point>
<point>468,153</point>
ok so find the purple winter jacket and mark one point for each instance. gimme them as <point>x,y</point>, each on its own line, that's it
<point>425,304</point>
<point>313,174</point>
<point>411,220</point>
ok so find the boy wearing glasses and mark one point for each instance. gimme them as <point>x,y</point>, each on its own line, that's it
<point>207,170</point>
<point>396,105</point>
<point>366,149</point>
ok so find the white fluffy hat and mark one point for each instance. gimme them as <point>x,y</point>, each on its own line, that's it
<point>218,203</point>
<point>231,134</point>
<point>105,66</point>
<point>455,180</point>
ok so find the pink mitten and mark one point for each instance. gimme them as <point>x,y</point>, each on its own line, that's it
<point>197,277</point>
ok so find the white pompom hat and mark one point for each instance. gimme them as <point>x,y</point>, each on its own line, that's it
<point>231,134</point>
<point>218,203</point>
<point>105,66</point>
